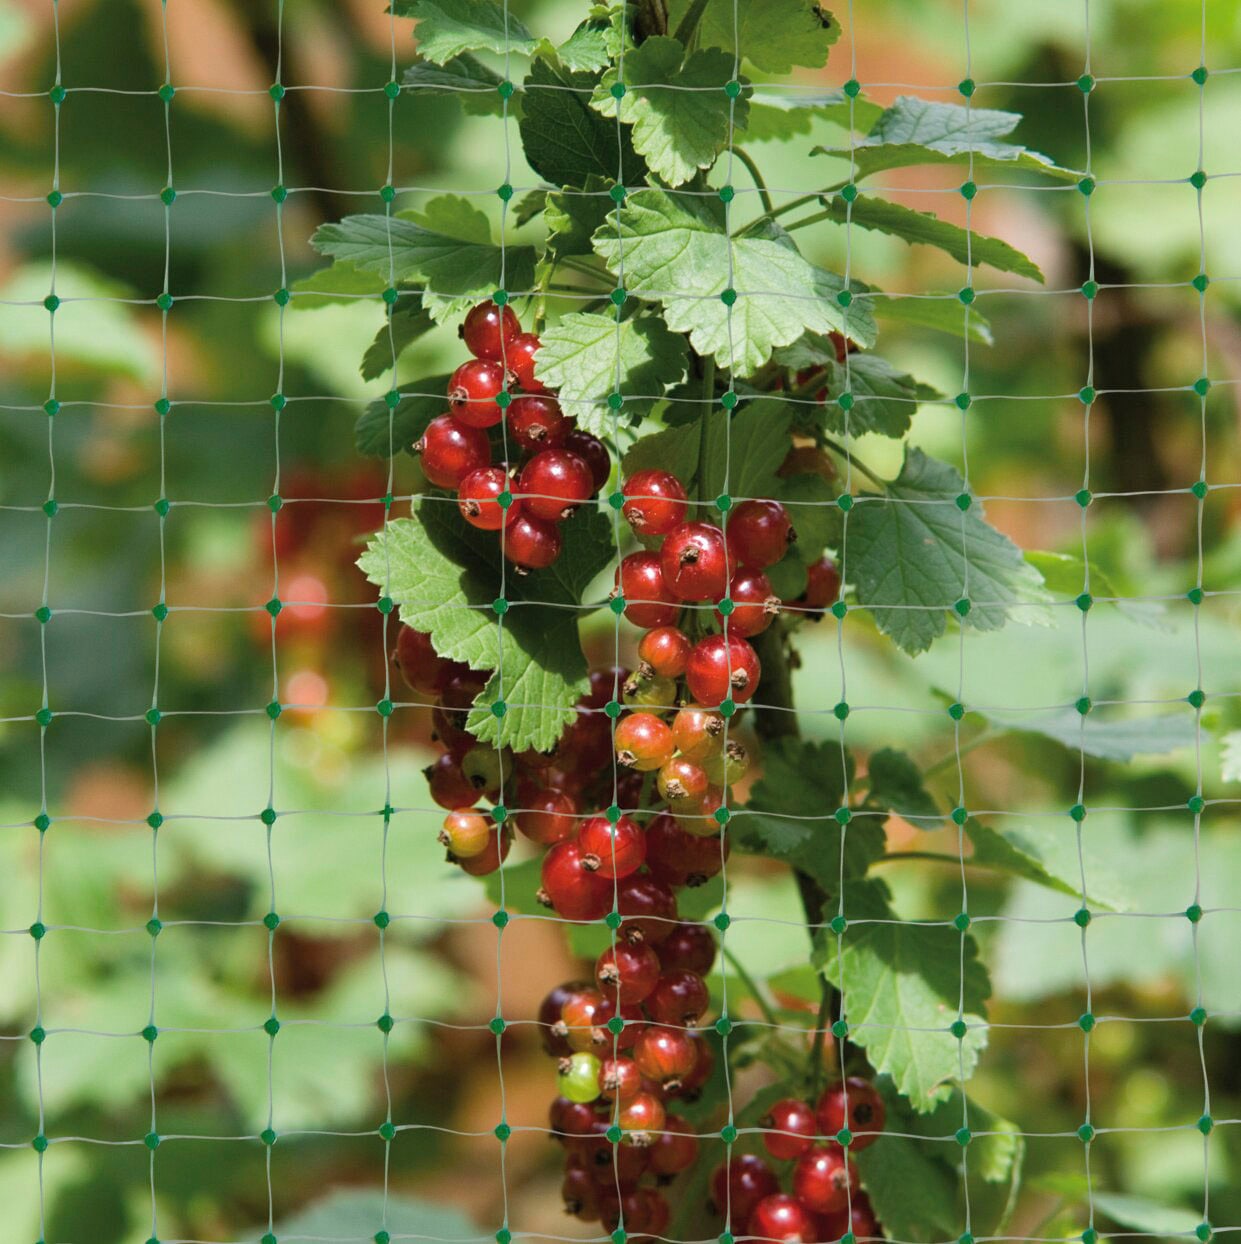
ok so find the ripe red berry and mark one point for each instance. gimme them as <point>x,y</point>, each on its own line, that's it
<point>489,329</point>
<point>535,421</point>
<point>571,1118</point>
<point>643,742</point>
<point>626,973</point>
<point>755,605</point>
<point>675,1149</point>
<point>620,1080</point>
<point>721,668</point>
<point>648,908</point>
<point>680,858</point>
<point>553,484</point>
<point>789,1116</point>
<point>739,1184</point>
<point>581,1197</point>
<point>593,452</point>
<point>581,1021</point>
<point>550,1011</point>
<point>759,533</point>
<point>620,1167</point>
<point>548,817</point>
<point>613,851</point>
<point>466,834</point>
<point>530,543</point>
<point>699,733</point>
<point>449,787</point>
<point>682,783</point>
<point>476,499</point>
<point>519,358</point>
<point>824,1178</point>
<point>855,1105</point>
<point>679,998</point>
<point>862,1220</point>
<point>493,854</point>
<point>695,562</point>
<point>421,666</point>
<point>635,1023</point>
<point>570,888</point>
<point>665,1055</point>
<point>648,602</point>
<point>641,1118</point>
<point>472,392</point>
<point>689,947</point>
<point>665,650</point>
<point>782,1218</point>
<point>656,502</point>
<point>822,586</point>
<point>449,716</point>
<point>450,450</point>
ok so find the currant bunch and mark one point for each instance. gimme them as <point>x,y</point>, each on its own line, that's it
<point>496,403</point>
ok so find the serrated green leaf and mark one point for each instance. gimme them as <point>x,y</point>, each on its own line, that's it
<point>884,398</point>
<point>773,35</point>
<point>529,206</point>
<point>925,228</point>
<point>680,115</point>
<point>586,356</point>
<point>589,47</point>
<point>902,984</point>
<point>409,419</point>
<point>674,251</point>
<point>454,216</point>
<point>1065,574</point>
<point>446,28</point>
<point>329,287</point>
<point>896,784</point>
<point>1024,853</point>
<point>407,321</point>
<point>942,312</point>
<point>465,78</point>
<point>776,116</point>
<point>909,553</point>
<point>572,217</point>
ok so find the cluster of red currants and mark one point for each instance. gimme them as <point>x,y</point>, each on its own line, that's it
<point>563,466</point>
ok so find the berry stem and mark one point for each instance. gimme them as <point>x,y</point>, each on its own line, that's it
<point>755,990</point>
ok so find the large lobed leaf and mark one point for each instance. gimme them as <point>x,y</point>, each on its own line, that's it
<point>464,78</point>
<point>381,432</point>
<point>773,35</point>
<point>446,28</point>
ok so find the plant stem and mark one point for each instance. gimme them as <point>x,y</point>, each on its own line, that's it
<point>946,762</point>
<point>820,1038</point>
<point>837,448</point>
<point>752,986</point>
<point>689,23</point>
<point>810,220</point>
<point>581,265</point>
<point>763,194</point>
<point>708,393</point>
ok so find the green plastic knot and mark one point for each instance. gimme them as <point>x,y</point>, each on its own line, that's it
<point>728,1134</point>
<point>497,1025</point>
<point>271,1026</point>
<point>1082,917</point>
<point>838,925</point>
<point>1085,1133</point>
<point>271,921</point>
<point>722,921</point>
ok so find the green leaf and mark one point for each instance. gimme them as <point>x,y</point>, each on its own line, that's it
<point>1023,853</point>
<point>901,983</point>
<point>529,206</point>
<point>454,216</point>
<point>965,246</point>
<point>329,287</point>
<point>817,519</point>
<point>776,116</point>
<point>407,321</point>
<point>521,884</point>
<point>1119,739</point>
<point>896,784</point>
<point>586,356</point>
<point>1150,1217</point>
<point>590,46</point>
<point>446,28</point>
<point>942,312</point>
<point>573,218</point>
<point>1065,574</point>
<point>358,1213</point>
<point>916,131</point>
<point>680,114</point>
<point>565,139</point>
<point>408,420</point>
<point>884,399</point>
<point>402,250</point>
<point>674,251</point>
<point>465,78</point>
<point>773,35</point>
<point>909,553</point>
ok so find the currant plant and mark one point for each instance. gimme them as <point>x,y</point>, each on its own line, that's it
<point>656,381</point>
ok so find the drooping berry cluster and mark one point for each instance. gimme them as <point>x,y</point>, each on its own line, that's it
<point>496,402</point>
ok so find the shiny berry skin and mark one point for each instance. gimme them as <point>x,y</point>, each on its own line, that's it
<point>472,392</point>
<point>643,742</point>
<point>695,562</point>
<point>641,1118</point>
<point>627,974</point>
<point>728,766</point>
<point>689,947</point>
<point>621,1167</point>
<point>649,911</point>
<point>570,888</point>
<point>578,1077</point>
<point>593,452</point>
<point>824,1178</point>
<point>535,421</point>
<point>722,668</point>
<point>578,1191</point>
<point>619,1079</point>
<point>548,817</point>
<point>635,1023</point>
<point>682,783</point>
<point>550,1011</point>
<point>656,502</point>
<point>648,602</point>
<point>493,854</point>
<point>671,852</point>
<point>570,1118</point>
<point>422,668</point>
<point>863,1114</point>
<point>612,851</point>
<point>781,1217</point>
<point>755,605</point>
<point>487,769</point>
<point>530,543</point>
<point>789,1116</point>
<point>581,1020</point>
<point>519,359</point>
<point>666,1056</point>
<point>449,716</point>
<point>697,816</point>
<point>699,733</point>
<point>680,999</point>
<point>675,1149</point>
<point>759,533</point>
<point>822,586</point>
<point>645,689</point>
<point>450,450</point>
<point>862,1219</point>
<point>665,650</point>
<point>488,330</point>
<point>553,484</point>
<point>476,499</point>
<point>449,787</point>
<point>738,1185</point>
<point>466,834</point>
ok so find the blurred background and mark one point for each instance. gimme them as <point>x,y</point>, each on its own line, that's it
<point>107,557</point>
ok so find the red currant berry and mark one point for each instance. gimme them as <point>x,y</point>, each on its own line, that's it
<point>739,1184</point>
<point>627,973</point>
<point>789,1128</point>
<point>548,817</point>
<point>649,911</point>
<point>862,1220</point>
<point>450,451</point>
<point>449,716</point>
<point>449,787</point>
<point>656,502</point>
<point>682,783</point>
<point>570,888</point>
<point>619,1079</point>
<point>641,1118</point>
<point>679,998</point>
<point>620,1167</point>
<point>612,851</point>
<point>530,543</point>
<point>824,1178</point>
<point>466,834</point>
<point>822,587</point>
<point>697,817</point>
<point>635,1023</point>
<point>759,533</point>
<point>535,421</point>
<point>784,1219</point>
<point>550,1012</point>
<point>519,359</point>
<point>422,668</point>
<point>855,1105</point>
<point>695,562</point>
<point>643,742</point>
<point>472,392</point>
<point>699,733</point>
<point>581,1021</point>
<point>665,650</point>
<point>553,484</point>
<point>648,602</point>
<point>571,1118</point>
<point>679,858</point>
<point>755,605</point>
<point>476,499</point>
<point>666,1056</point>
<point>593,452</point>
<point>690,948</point>
<point>692,1084</point>
<point>488,330</point>
<point>581,1197</point>
<point>635,1207</point>
<point>675,1149</point>
<point>722,668</point>
<point>493,854</point>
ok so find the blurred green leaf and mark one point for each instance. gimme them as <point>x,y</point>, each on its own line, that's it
<point>447,28</point>
<point>776,116</point>
<point>465,78</point>
<point>773,35</point>
<point>407,420</point>
<point>358,1213</point>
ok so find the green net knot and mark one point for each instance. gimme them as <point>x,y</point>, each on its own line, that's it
<point>612,709</point>
<point>167,91</point>
<point>849,193</point>
<point>839,609</point>
<point>152,716</point>
<point>505,89</point>
<point>273,710</point>
<point>1085,84</point>
<point>959,815</point>
<point>155,820</point>
<point>844,502</point>
<point>968,190</point>
<point>617,605</point>
<point>499,814</point>
<point>732,88</point>
<point>845,401</point>
<point>727,194</point>
<point>1193,913</point>
<point>1195,803</point>
<point>962,607</point>
<point>268,1137</point>
<point>722,816</point>
<point>151,1140</point>
<point>727,707</point>
<point>497,1025</point>
<point>1196,698</point>
<point>1198,179</point>
<point>967,86</point>
<point>619,1236</point>
<point>55,198</point>
<point>277,401</point>
<point>1203,1231</point>
<point>613,920</point>
<point>500,918</point>
<point>1200,282</point>
<point>1086,395</point>
<point>51,302</point>
<point>505,192</point>
<point>271,1026</point>
<point>956,711</point>
<point>1090,290</point>
<point>499,606</point>
<point>39,1143</point>
<point>38,1035</point>
<point>43,614</point>
<point>722,921</point>
<point>1082,917</point>
<point>387,193</point>
<point>504,1236</point>
<point>617,193</point>
<point>840,1029</point>
<point>961,922</point>
<point>57,94</point>
<point>1086,1022</point>
<point>728,1133</point>
<point>42,822</point>
<point>614,1134</point>
<point>1085,1133</point>
<point>392,89</point>
<point>503,1132</point>
<point>838,925</point>
<point>962,401</point>
<point>381,919</point>
<point>51,406</point>
<point>844,1138</point>
<point>44,717</point>
<point>615,401</point>
<point>613,813</point>
<point>168,196</point>
<point>271,921</point>
<point>841,710</point>
<point>842,816</point>
<point>959,1029</point>
<point>1084,602</point>
<point>728,297</point>
<point>1087,186</point>
<point>1200,75</point>
<point>279,194</point>
<point>1078,812</point>
<point>1205,1124</point>
<point>382,1237</point>
<point>498,709</point>
<point>268,816</point>
<point>966,295</point>
<point>384,1023</point>
<point>1090,1236</point>
<point>965,1238</point>
<point>853,88</point>
<point>267,1238</point>
<point>1198,1016</point>
<point>963,1136</point>
<point>616,1025</point>
<point>384,708</point>
<point>726,1237</point>
<point>844,298</point>
<point>1202,386</point>
<point>164,301</point>
<point>276,91</point>
<point>1194,595</point>
<point>723,1025</point>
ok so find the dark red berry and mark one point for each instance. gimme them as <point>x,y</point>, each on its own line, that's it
<point>488,330</point>
<point>449,787</point>
<point>679,858</point>
<point>553,484</point>
<point>739,1184</point>
<point>635,1025</point>
<point>665,650</point>
<point>722,668</point>
<point>824,1178</point>
<point>854,1105</point>
<point>862,1220</point>
<point>665,1055</point>
<point>550,1011</point>
<point>572,889</point>
<point>530,543</point>
<point>476,499</point>
<point>472,392</point>
<point>643,742</point>
<point>690,947</point>
<point>449,716</point>
<point>780,1217</point>
<point>648,602</point>
<point>548,817</point>
<point>649,911</point>
<point>641,1118</point>
<point>519,359</point>
<point>759,533</point>
<point>656,502</point>
<point>421,666</point>
<point>620,1166</point>
<point>581,1196</point>
<point>675,1149</point>
<point>593,452</point>
<point>535,421</point>
<point>450,450</point>
<point>693,1082</point>
<point>822,586</point>
<point>493,854</point>
<point>755,605</point>
<point>695,562</point>
<point>789,1128</point>
<point>620,1080</point>
<point>612,850</point>
<point>627,973</point>
<point>679,998</point>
